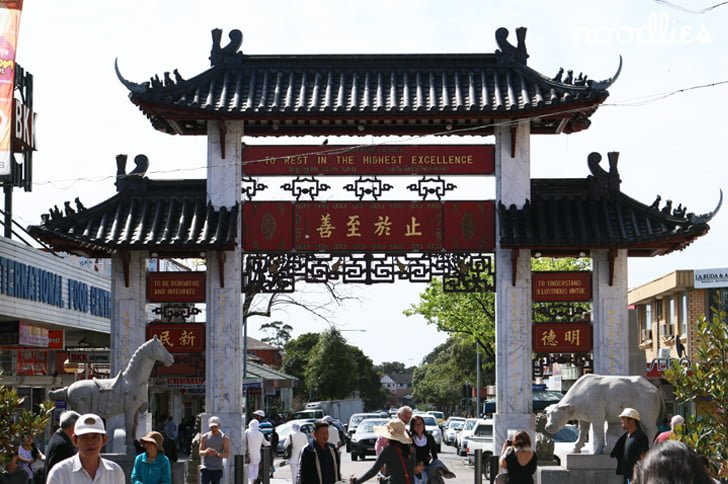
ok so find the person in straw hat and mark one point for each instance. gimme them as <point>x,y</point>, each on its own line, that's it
<point>631,446</point>
<point>398,455</point>
<point>152,466</point>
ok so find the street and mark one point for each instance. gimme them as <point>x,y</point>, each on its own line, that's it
<point>463,472</point>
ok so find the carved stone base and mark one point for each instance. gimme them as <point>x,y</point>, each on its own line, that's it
<point>581,468</point>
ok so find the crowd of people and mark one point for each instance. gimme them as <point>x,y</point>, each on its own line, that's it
<point>406,454</point>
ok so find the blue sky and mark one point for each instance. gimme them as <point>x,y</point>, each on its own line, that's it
<point>673,146</point>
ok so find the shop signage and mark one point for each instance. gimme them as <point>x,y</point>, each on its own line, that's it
<point>10,16</point>
<point>32,363</point>
<point>88,356</point>
<point>31,283</point>
<point>185,382</point>
<point>175,287</point>
<point>56,339</point>
<point>369,226</point>
<point>179,337</point>
<point>656,368</point>
<point>369,160</point>
<point>710,278</point>
<point>575,286</point>
<point>29,335</point>
<point>562,337</point>
<point>24,127</point>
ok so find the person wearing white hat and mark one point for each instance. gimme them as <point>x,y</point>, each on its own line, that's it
<point>214,447</point>
<point>87,466</point>
<point>398,455</point>
<point>631,446</point>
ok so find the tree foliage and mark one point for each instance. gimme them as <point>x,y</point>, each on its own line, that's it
<point>438,380</point>
<point>390,367</point>
<point>705,383</point>
<point>296,355</point>
<point>330,373</point>
<point>368,381</point>
<point>18,422</point>
<point>278,333</point>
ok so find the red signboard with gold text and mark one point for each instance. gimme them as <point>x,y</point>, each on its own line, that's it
<point>562,337</point>
<point>179,337</point>
<point>176,287</point>
<point>369,160</point>
<point>369,226</point>
<point>573,286</point>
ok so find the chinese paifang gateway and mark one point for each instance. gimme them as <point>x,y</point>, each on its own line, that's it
<point>371,95</point>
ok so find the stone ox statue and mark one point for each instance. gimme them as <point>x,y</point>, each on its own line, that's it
<point>596,399</point>
<point>127,393</point>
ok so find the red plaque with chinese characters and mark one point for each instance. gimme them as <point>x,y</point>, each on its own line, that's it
<point>368,226</point>
<point>574,286</point>
<point>562,337</point>
<point>176,287</point>
<point>179,337</point>
<point>368,160</point>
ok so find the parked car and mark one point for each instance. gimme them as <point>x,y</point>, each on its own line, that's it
<point>481,438</point>
<point>439,416</point>
<point>285,428</point>
<point>452,430</point>
<point>542,398</point>
<point>464,433</point>
<point>354,421</point>
<point>432,428</point>
<point>363,440</point>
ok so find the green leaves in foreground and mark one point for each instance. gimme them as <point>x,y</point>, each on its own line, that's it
<point>17,422</point>
<point>705,384</point>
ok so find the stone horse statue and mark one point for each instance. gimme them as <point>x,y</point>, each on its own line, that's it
<point>127,393</point>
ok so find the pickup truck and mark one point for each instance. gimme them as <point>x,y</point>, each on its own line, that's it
<point>481,438</point>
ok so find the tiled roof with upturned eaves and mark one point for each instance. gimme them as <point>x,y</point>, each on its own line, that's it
<point>569,216</point>
<point>164,216</point>
<point>281,95</point>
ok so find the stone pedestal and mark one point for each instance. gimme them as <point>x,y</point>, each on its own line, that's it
<point>581,468</point>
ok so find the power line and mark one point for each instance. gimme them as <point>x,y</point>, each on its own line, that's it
<point>688,10</point>
<point>631,102</point>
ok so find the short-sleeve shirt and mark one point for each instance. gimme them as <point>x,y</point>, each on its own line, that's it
<point>70,471</point>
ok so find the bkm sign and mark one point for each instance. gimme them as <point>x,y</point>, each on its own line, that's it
<point>23,127</point>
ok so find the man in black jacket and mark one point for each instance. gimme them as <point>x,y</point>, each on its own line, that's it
<point>320,463</point>
<point>631,446</point>
<point>60,446</point>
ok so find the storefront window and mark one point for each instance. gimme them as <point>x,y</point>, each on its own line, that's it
<point>684,313</point>
<point>6,362</point>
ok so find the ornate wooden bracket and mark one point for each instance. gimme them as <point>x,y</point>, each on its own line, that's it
<point>125,257</point>
<point>514,265</point>
<point>222,130</point>
<point>514,132</point>
<point>611,255</point>
<point>221,266</point>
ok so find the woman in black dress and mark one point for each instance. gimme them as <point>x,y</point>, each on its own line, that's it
<point>423,442</point>
<point>518,458</point>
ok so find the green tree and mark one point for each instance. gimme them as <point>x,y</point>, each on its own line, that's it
<point>368,380</point>
<point>281,333</point>
<point>18,422</point>
<point>390,367</point>
<point>296,357</point>
<point>330,373</point>
<point>438,380</point>
<point>705,383</point>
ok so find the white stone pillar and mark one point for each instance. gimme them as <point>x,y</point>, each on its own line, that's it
<point>128,328</point>
<point>610,316</point>
<point>513,374</point>
<point>223,353</point>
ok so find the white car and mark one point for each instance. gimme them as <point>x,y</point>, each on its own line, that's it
<point>432,428</point>
<point>452,430</point>
<point>467,430</point>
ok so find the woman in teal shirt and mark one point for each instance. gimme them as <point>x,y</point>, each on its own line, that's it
<point>152,466</point>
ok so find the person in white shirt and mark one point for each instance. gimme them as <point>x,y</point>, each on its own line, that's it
<point>87,466</point>
<point>254,441</point>
<point>297,440</point>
